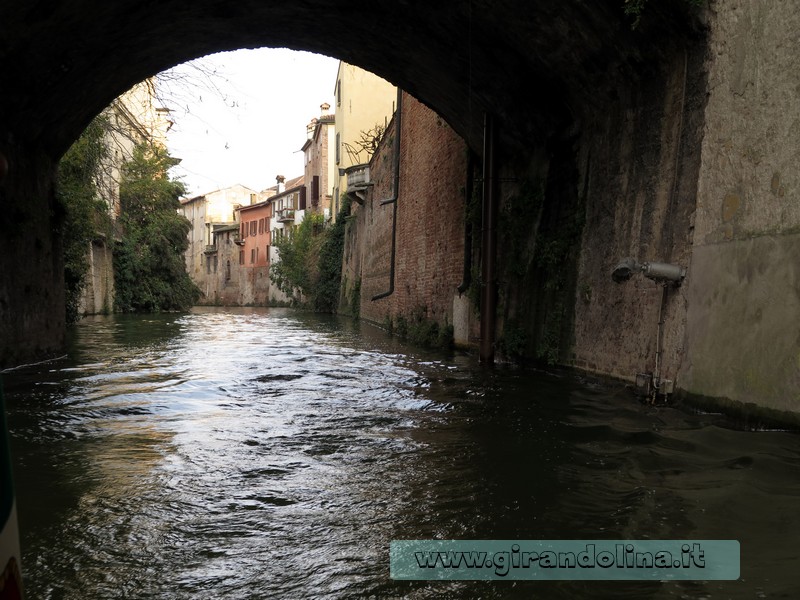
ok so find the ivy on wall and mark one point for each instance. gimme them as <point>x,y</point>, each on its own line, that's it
<point>636,8</point>
<point>85,212</point>
<point>309,269</point>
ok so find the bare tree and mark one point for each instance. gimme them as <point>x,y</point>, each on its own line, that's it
<point>367,143</point>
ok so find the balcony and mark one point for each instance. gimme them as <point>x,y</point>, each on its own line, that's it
<point>285,215</point>
<point>357,176</point>
<point>210,249</point>
<point>358,182</point>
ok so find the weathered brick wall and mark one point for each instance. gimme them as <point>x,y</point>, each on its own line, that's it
<point>430,222</point>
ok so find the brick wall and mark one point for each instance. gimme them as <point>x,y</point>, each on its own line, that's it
<point>430,222</point>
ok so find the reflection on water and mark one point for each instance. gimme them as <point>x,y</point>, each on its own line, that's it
<point>260,453</point>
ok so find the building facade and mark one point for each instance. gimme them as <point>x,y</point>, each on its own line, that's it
<point>224,274</point>
<point>364,105</point>
<point>253,257</point>
<point>288,210</point>
<point>217,208</point>
<point>319,158</point>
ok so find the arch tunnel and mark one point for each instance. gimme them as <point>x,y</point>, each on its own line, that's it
<point>560,78</point>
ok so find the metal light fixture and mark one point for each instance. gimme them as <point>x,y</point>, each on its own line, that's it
<point>657,271</point>
<point>650,385</point>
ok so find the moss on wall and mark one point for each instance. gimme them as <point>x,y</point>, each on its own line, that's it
<point>541,226</point>
<point>419,330</point>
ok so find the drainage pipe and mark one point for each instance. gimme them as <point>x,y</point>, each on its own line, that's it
<point>466,277</point>
<point>488,244</point>
<point>398,122</point>
<point>659,338</point>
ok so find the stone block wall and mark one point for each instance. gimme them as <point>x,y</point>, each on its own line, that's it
<point>32,316</point>
<point>638,163</point>
<point>744,291</point>
<point>98,291</point>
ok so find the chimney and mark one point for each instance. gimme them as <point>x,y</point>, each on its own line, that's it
<point>324,108</point>
<point>281,179</point>
<point>310,128</point>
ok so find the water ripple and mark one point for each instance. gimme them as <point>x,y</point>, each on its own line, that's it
<point>260,453</point>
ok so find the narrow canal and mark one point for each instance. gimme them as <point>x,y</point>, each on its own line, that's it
<point>262,453</point>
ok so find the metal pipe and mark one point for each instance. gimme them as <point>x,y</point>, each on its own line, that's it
<point>488,244</point>
<point>398,121</point>
<point>659,336</point>
<point>466,277</point>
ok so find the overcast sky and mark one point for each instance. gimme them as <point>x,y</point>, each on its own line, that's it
<point>247,123</point>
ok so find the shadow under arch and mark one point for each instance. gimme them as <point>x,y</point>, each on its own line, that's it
<point>63,62</point>
<point>542,69</point>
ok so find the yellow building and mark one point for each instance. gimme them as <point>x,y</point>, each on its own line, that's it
<point>364,105</point>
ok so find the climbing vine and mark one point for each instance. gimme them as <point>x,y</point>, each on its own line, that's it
<point>421,331</point>
<point>86,215</point>
<point>309,269</point>
<point>635,9</point>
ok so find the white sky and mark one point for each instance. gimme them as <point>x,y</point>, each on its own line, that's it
<point>247,123</point>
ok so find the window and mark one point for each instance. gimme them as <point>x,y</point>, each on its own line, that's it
<point>338,93</point>
<point>338,148</point>
<point>216,262</point>
<point>253,227</point>
<point>228,271</point>
<point>241,257</point>
<point>315,190</point>
<point>252,256</point>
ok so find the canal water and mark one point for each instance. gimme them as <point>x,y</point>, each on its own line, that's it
<point>263,453</point>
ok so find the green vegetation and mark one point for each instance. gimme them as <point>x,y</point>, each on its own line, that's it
<point>310,267</point>
<point>513,342</point>
<point>149,268</point>
<point>519,216</point>
<point>537,269</point>
<point>419,330</point>
<point>554,259</point>
<point>298,250</point>
<point>473,217</point>
<point>355,299</point>
<point>85,213</point>
<point>635,9</point>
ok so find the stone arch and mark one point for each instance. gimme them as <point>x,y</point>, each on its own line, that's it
<point>543,69</point>
<point>62,62</point>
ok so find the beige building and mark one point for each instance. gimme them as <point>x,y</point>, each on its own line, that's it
<point>364,105</point>
<point>204,213</point>
<point>133,118</point>
<point>319,155</point>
